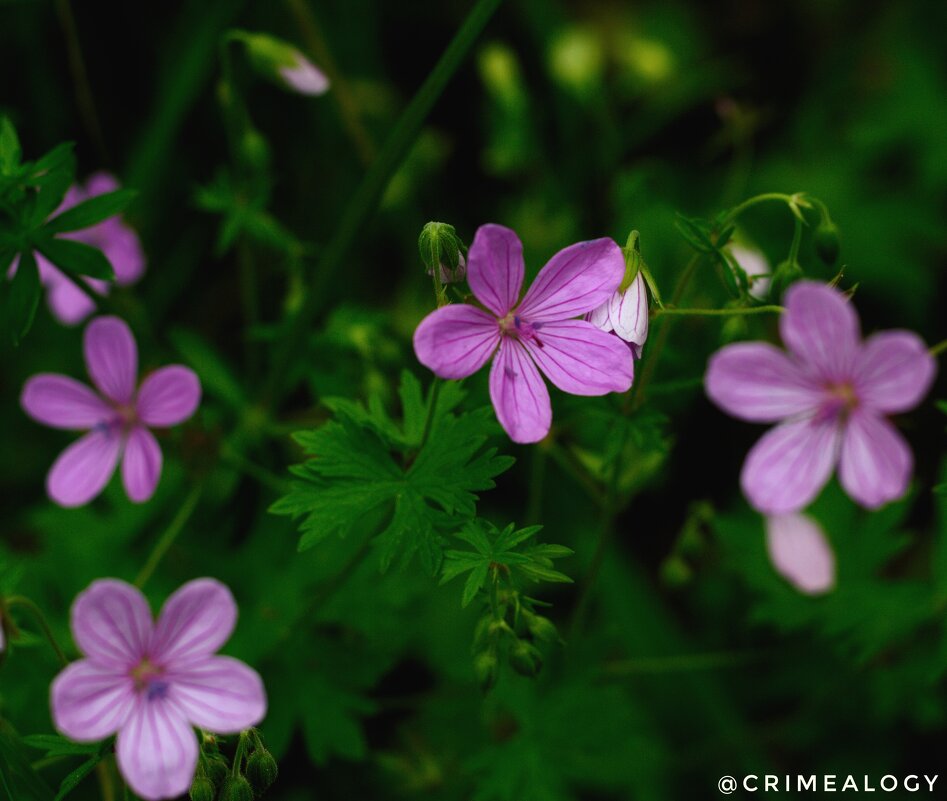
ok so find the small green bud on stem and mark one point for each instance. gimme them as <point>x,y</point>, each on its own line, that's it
<point>785,275</point>
<point>442,250</point>
<point>262,770</point>
<point>202,789</point>
<point>826,241</point>
<point>236,788</point>
<point>487,669</point>
<point>525,658</point>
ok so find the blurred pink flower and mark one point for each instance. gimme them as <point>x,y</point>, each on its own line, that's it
<point>530,335</point>
<point>117,418</point>
<point>151,683</point>
<point>304,76</point>
<point>800,552</point>
<point>120,244</point>
<point>830,395</point>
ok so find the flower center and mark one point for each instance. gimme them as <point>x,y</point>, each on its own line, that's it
<point>149,679</point>
<point>842,398</point>
<point>516,326</point>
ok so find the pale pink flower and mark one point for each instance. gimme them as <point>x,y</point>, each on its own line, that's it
<point>626,314</point>
<point>117,417</point>
<point>151,683</point>
<point>801,553</point>
<point>830,394</point>
<point>304,77</point>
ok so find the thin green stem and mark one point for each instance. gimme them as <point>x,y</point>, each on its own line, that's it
<point>166,540</point>
<point>239,754</point>
<point>939,348</point>
<point>766,197</point>
<point>749,310</point>
<point>230,455</point>
<point>40,618</point>
<point>366,198</point>
<point>796,241</point>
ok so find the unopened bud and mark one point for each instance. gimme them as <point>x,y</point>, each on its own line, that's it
<point>202,789</point>
<point>525,658</point>
<point>487,669</point>
<point>440,247</point>
<point>236,788</point>
<point>786,274</point>
<point>826,241</point>
<point>541,628</point>
<point>254,149</point>
<point>675,572</point>
<point>217,770</point>
<point>262,770</point>
<point>282,63</point>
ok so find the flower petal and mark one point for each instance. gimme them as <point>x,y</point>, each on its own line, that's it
<point>101,182</point>
<point>800,552</point>
<point>599,316</point>
<point>91,702</point>
<point>69,304</point>
<point>580,359</point>
<point>894,371</point>
<point>785,470</point>
<point>876,462</point>
<point>157,750</point>
<point>519,396</point>
<point>758,382</point>
<point>122,247</point>
<point>111,623</point>
<point>141,464</point>
<point>111,357</point>
<point>63,402</point>
<point>495,268</point>
<point>84,468</point>
<point>219,693</point>
<point>628,312</point>
<point>576,280</point>
<point>194,622</point>
<point>456,341</point>
<point>821,329</point>
<point>305,77</point>
<point>168,396</point>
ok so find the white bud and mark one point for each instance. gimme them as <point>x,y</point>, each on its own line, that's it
<point>801,553</point>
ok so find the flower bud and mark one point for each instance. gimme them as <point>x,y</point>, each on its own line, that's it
<point>626,313</point>
<point>262,770</point>
<point>487,669</point>
<point>525,658</point>
<point>282,63</point>
<point>202,789</point>
<point>541,628</point>
<point>439,245</point>
<point>236,788</point>
<point>786,274</point>
<point>217,770</point>
<point>675,572</point>
<point>826,241</point>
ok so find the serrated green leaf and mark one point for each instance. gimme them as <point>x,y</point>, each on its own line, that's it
<point>91,211</point>
<point>10,152</point>
<point>475,581</point>
<point>76,258</point>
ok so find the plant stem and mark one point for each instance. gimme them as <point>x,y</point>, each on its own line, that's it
<point>736,211</point>
<point>36,612</point>
<point>369,193</point>
<point>939,348</point>
<point>718,312</point>
<point>166,540</point>
<point>233,457</point>
<point>796,241</point>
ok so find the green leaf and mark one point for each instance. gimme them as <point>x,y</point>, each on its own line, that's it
<point>52,176</point>
<point>74,778</point>
<point>475,581</point>
<point>57,745</point>
<point>18,780</point>
<point>76,258</point>
<point>91,211</point>
<point>23,297</point>
<point>357,465</point>
<point>10,152</point>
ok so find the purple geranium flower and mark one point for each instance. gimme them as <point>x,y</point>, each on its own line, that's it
<point>537,332</point>
<point>800,553</point>
<point>626,313</point>
<point>830,394</point>
<point>120,244</point>
<point>117,419</point>
<point>151,683</point>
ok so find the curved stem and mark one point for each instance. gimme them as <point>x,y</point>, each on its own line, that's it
<point>36,612</point>
<point>939,348</point>
<point>369,193</point>
<point>166,540</point>
<point>766,197</point>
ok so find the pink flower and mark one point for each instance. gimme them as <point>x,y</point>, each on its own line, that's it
<point>532,334</point>
<point>626,313</point>
<point>304,77</point>
<point>830,393</point>
<point>151,683</point>
<point>800,553</point>
<point>117,418</point>
<point>120,244</point>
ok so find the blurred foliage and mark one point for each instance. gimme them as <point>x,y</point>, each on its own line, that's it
<point>684,655</point>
